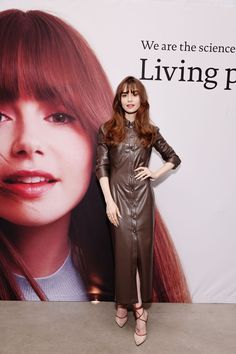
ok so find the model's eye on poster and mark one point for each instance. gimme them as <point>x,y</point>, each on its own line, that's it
<point>59,68</point>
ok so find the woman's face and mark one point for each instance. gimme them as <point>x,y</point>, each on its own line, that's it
<point>130,100</point>
<point>45,162</point>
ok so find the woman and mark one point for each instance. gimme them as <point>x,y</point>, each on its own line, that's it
<point>124,147</point>
<point>53,97</point>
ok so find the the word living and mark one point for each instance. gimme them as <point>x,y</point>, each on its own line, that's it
<point>186,74</point>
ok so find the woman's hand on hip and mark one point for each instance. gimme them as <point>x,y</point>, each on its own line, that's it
<point>113,212</point>
<point>144,173</point>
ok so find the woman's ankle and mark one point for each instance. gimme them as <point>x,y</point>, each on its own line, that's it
<point>121,306</point>
<point>138,306</point>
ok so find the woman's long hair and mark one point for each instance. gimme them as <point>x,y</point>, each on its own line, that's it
<point>115,128</point>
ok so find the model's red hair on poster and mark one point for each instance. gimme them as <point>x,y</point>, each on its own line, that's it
<point>44,58</point>
<point>169,283</point>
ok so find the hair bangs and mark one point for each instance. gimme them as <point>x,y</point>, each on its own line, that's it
<point>32,62</point>
<point>45,58</point>
<point>132,84</point>
<point>127,85</point>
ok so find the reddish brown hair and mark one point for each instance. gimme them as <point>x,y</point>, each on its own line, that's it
<point>44,58</point>
<point>115,128</point>
<point>169,283</point>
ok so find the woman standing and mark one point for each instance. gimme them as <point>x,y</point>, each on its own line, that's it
<point>124,148</point>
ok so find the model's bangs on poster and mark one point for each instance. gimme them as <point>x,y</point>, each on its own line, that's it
<point>65,66</point>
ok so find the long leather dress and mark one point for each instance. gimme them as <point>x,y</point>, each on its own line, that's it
<point>133,238</point>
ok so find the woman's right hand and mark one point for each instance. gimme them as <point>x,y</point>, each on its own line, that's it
<point>113,212</point>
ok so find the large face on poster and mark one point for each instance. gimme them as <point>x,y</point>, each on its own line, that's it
<point>50,111</point>
<point>54,94</point>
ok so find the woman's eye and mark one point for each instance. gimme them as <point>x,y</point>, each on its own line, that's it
<point>60,118</point>
<point>3,118</point>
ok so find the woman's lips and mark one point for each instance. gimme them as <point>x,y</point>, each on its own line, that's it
<point>130,105</point>
<point>29,184</point>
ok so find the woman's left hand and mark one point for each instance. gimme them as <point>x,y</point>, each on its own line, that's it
<point>144,173</point>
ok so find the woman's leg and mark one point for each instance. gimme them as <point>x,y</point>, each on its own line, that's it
<point>139,303</point>
<point>140,315</point>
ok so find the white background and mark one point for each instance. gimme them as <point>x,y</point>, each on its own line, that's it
<point>198,201</point>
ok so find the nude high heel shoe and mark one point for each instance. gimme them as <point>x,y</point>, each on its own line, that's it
<point>121,320</point>
<point>140,338</point>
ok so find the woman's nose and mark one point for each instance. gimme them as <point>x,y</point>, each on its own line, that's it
<point>129,96</point>
<point>26,146</point>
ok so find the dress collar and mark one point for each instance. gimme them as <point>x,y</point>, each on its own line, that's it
<point>128,123</point>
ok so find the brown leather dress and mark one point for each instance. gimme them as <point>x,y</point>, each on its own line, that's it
<point>133,238</point>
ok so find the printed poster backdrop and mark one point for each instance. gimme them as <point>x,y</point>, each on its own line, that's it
<point>186,60</point>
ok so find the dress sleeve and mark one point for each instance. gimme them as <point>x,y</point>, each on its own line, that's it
<point>102,156</point>
<point>167,152</point>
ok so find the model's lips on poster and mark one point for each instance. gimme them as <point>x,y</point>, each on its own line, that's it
<point>29,184</point>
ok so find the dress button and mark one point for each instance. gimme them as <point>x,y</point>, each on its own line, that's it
<point>134,231</point>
